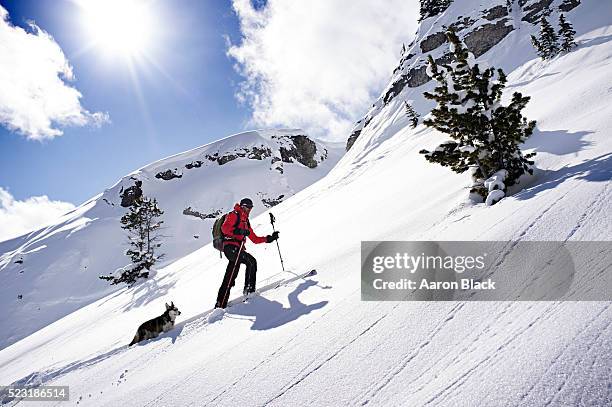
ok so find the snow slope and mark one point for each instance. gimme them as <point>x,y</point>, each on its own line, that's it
<point>314,341</point>
<point>56,269</point>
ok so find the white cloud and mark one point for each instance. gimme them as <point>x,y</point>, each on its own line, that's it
<point>34,97</point>
<point>20,217</point>
<point>319,64</point>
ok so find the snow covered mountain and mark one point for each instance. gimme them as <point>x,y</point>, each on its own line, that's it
<point>51,272</point>
<point>314,341</point>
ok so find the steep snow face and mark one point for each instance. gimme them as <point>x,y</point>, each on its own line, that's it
<point>288,346</point>
<point>53,271</point>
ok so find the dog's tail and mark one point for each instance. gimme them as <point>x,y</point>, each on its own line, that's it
<point>135,340</point>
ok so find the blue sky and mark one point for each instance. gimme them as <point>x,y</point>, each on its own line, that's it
<point>191,104</point>
<point>92,92</point>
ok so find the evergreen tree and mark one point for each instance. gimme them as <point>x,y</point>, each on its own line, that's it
<point>566,33</point>
<point>430,8</point>
<point>141,224</point>
<point>413,116</point>
<point>547,46</point>
<point>484,135</point>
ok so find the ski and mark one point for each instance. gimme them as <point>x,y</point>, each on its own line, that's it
<point>272,286</point>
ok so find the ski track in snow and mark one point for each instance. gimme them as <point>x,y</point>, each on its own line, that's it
<point>332,356</point>
<point>372,392</point>
<point>511,244</point>
<point>598,203</point>
<point>563,351</point>
<point>462,378</point>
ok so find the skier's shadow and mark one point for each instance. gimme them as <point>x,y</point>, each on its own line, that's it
<point>271,314</point>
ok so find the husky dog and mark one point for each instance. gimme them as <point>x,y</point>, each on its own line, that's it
<point>153,327</point>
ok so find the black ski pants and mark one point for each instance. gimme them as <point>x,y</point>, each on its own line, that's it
<point>231,251</point>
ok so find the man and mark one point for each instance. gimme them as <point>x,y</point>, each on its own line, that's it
<point>236,229</point>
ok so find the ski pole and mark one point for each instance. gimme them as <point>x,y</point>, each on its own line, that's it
<point>225,297</point>
<point>272,220</point>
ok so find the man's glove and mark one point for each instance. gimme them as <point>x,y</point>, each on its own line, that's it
<point>272,237</point>
<point>243,232</point>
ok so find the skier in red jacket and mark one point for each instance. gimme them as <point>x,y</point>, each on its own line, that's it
<point>236,229</point>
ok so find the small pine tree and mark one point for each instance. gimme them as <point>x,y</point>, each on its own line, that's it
<point>485,136</point>
<point>547,46</point>
<point>430,8</point>
<point>413,116</point>
<point>566,33</point>
<point>141,224</point>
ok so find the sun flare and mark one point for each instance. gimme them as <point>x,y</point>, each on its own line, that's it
<point>122,27</point>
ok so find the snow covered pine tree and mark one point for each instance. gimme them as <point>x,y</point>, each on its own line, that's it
<point>566,33</point>
<point>547,46</point>
<point>485,136</point>
<point>141,223</point>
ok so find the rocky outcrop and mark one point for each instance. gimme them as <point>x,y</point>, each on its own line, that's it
<point>253,153</point>
<point>270,202</point>
<point>477,33</point>
<point>131,194</point>
<point>415,78</point>
<point>461,23</point>
<point>569,5</point>
<point>168,175</point>
<point>292,148</point>
<point>486,36</point>
<point>352,138</point>
<point>190,212</point>
<point>194,164</point>
<point>495,12</point>
<point>432,42</point>
<point>534,11</point>
<point>303,150</point>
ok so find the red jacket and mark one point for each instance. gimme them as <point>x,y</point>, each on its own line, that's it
<point>228,228</point>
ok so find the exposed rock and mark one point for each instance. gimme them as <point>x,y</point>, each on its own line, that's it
<point>434,8</point>
<point>433,41</point>
<point>568,5</point>
<point>194,164</point>
<point>254,153</point>
<point>486,36</point>
<point>270,202</point>
<point>259,153</point>
<point>352,138</point>
<point>303,150</point>
<point>226,158</point>
<point>415,78</point>
<point>190,212</point>
<point>168,175</point>
<point>403,61</point>
<point>495,13</point>
<point>535,11</point>
<point>20,261</point>
<point>131,194</point>
<point>396,87</point>
<point>461,23</point>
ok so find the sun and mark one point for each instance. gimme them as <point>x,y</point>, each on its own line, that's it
<point>118,27</point>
